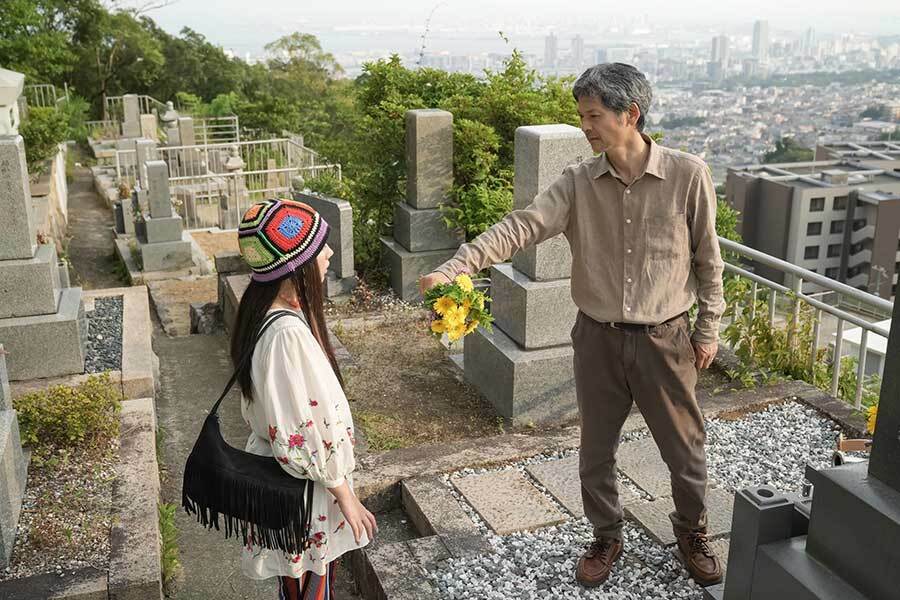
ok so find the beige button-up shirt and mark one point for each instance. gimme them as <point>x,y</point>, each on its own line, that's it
<point>641,253</point>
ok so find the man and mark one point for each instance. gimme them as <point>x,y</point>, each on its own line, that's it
<point>640,221</point>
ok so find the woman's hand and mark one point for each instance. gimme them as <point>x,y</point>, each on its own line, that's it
<point>358,517</point>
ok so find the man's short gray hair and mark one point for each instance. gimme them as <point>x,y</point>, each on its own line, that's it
<point>616,85</point>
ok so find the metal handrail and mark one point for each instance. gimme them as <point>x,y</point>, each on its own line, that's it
<point>800,275</point>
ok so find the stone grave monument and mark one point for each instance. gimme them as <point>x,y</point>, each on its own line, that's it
<point>842,543</point>
<point>421,240</point>
<point>341,277</point>
<point>37,313</point>
<point>159,236</point>
<point>131,123</point>
<point>524,367</point>
<point>13,468</point>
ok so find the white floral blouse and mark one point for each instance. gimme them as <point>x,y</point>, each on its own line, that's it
<point>300,416</point>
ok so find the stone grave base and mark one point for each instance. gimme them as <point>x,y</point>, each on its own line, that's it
<point>13,475</point>
<point>138,277</point>
<point>30,338</point>
<point>139,376</point>
<point>524,386</point>
<point>406,267</point>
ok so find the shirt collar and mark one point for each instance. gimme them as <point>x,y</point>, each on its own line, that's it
<point>654,162</point>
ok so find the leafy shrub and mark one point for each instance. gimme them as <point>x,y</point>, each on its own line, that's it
<point>75,110</point>
<point>43,130</point>
<point>62,416</point>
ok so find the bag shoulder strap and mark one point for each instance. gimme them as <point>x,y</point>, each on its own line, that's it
<point>266,323</point>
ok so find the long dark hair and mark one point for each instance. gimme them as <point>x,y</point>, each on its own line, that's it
<point>258,298</point>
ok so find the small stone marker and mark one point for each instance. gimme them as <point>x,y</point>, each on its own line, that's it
<point>508,502</point>
<point>654,516</point>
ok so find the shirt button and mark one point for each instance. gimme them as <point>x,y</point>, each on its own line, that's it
<point>628,280</point>
<point>628,251</point>
<point>627,191</point>
<point>628,220</point>
<point>628,308</point>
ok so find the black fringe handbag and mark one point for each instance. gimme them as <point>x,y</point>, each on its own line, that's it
<point>254,495</point>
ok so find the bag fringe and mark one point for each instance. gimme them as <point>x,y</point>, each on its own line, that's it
<point>262,515</point>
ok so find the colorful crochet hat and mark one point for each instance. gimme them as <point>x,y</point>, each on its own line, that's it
<point>278,236</point>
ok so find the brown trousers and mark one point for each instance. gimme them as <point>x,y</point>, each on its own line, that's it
<point>655,369</point>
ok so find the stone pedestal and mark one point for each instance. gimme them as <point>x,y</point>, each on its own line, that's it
<point>37,312</point>
<point>13,468</point>
<point>341,276</point>
<point>845,542</point>
<point>525,367</point>
<point>160,242</point>
<point>150,127</point>
<point>145,150</point>
<point>421,240</point>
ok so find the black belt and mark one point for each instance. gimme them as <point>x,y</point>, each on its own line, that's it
<point>644,327</point>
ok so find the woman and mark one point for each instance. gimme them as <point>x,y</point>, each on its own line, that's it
<point>291,393</point>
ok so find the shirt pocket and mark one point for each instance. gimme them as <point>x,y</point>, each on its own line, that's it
<point>666,236</point>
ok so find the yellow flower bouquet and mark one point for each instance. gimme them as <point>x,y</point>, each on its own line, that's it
<point>457,308</point>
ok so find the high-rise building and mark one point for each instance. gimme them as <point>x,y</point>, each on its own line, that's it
<point>577,52</point>
<point>809,42</point>
<point>761,40</point>
<point>719,52</point>
<point>551,51</point>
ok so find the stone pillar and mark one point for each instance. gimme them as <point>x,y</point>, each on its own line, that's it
<point>131,125</point>
<point>160,242</point>
<point>145,149</point>
<point>36,311</point>
<point>150,127</point>
<point>341,277</point>
<point>524,367</point>
<point>421,240</point>
<point>13,468</point>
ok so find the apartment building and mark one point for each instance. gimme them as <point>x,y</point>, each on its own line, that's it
<point>839,218</point>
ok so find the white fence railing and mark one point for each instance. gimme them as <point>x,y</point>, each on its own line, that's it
<point>115,107</point>
<point>44,95</point>
<point>845,294</point>
<point>217,130</point>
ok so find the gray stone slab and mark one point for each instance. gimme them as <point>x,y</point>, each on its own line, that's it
<point>163,229</point>
<point>654,516</point>
<point>145,150</point>
<point>17,225</point>
<point>433,510</point>
<point>30,286</point>
<point>542,152</point>
<point>547,261</point>
<point>131,124</point>
<point>508,502</point>
<point>186,131</point>
<point>339,215</point>
<point>27,339</point>
<point>429,157</point>
<point>525,386</point>
<point>562,481</point>
<point>423,229</point>
<point>13,473</point>
<point>429,551</point>
<point>406,267</point>
<point>641,462</point>
<point>230,262</point>
<point>336,287</point>
<point>134,559</point>
<point>391,572</point>
<point>536,314</point>
<point>5,393</point>
<point>166,256</point>
<point>149,127</point>
<point>160,203</point>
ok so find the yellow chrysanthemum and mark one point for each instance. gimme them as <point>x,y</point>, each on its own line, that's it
<point>454,316</point>
<point>472,325</point>
<point>479,303</point>
<point>456,332</point>
<point>465,282</point>
<point>443,305</point>
<point>467,304</point>
<point>872,414</point>
<point>438,326</point>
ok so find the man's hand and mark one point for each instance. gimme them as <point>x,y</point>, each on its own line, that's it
<point>705,353</point>
<point>426,282</point>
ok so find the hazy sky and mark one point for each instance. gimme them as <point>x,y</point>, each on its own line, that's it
<point>246,24</point>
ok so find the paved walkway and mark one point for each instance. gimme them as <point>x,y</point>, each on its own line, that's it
<point>90,247</point>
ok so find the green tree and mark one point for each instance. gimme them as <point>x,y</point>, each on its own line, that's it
<point>788,150</point>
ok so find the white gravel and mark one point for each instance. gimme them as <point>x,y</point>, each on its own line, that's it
<point>771,447</point>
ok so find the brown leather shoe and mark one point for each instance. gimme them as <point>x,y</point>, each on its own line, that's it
<point>699,558</point>
<point>596,563</point>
